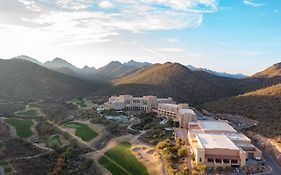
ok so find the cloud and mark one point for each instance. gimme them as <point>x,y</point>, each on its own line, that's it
<point>30,5</point>
<point>86,21</point>
<point>253,3</point>
<point>171,49</point>
<point>105,4</point>
<point>74,4</point>
<point>247,53</point>
<point>276,11</point>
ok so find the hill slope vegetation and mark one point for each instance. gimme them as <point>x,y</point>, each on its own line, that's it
<point>274,70</point>
<point>21,79</point>
<point>173,79</point>
<point>263,105</point>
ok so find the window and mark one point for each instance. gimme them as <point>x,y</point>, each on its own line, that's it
<point>200,160</point>
<point>210,160</point>
<point>226,161</point>
<point>218,160</point>
<point>234,161</point>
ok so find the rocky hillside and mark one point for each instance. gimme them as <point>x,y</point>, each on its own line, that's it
<point>263,105</point>
<point>21,79</point>
<point>274,70</point>
<point>173,79</point>
<point>115,69</point>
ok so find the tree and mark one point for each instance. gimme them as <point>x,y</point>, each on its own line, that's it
<point>202,168</point>
<point>182,151</point>
<point>193,157</point>
<point>194,172</point>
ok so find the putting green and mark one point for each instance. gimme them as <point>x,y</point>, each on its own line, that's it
<point>120,161</point>
<point>23,126</point>
<point>81,130</point>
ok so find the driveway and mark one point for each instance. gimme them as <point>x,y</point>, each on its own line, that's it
<point>2,171</point>
<point>271,162</point>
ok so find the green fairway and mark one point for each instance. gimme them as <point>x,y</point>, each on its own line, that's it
<point>80,102</point>
<point>122,156</point>
<point>23,127</point>
<point>54,141</point>
<point>82,131</point>
<point>31,112</point>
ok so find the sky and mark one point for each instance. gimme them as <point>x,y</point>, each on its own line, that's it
<point>235,36</point>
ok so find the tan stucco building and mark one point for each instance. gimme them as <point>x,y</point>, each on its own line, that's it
<point>145,103</point>
<point>217,144</point>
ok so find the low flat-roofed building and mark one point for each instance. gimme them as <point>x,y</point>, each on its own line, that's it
<point>215,126</point>
<point>212,126</point>
<point>215,143</point>
<point>242,141</point>
<point>216,150</point>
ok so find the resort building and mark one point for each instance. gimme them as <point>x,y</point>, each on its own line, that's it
<point>177,112</point>
<point>128,102</point>
<point>216,144</point>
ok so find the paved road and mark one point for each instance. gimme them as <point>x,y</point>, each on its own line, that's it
<point>270,161</point>
<point>2,171</point>
<point>276,169</point>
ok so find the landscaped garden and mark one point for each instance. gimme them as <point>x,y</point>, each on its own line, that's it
<point>81,130</point>
<point>23,127</point>
<point>120,161</point>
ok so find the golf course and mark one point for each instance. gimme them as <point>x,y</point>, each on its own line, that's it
<point>120,161</point>
<point>23,127</point>
<point>81,130</point>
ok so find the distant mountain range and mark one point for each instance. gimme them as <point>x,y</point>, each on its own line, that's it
<point>221,74</point>
<point>184,83</point>
<point>257,96</point>
<point>110,71</point>
<point>23,80</point>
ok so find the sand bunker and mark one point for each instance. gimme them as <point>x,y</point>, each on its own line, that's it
<point>151,151</point>
<point>137,149</point>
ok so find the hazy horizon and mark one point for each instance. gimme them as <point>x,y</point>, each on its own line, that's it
<point>240,36</point>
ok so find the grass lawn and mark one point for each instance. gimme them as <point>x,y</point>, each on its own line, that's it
<point>31,112</point>
<point>54,141</point>
<point>80,102</point>
<point>82,131</point>
<point>121,154</point>
<point>23,127</point>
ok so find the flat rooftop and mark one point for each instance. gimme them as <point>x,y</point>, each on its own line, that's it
<point>214,125</point>
<point>169,105</point>
<point>216,141</point>
<point>237,136</point>
<point>186,111</point>
<point>181,133</point>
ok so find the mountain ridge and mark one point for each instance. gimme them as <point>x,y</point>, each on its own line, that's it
<point>272,71</point>
<point>22,79</point>
<point>222,74</point>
